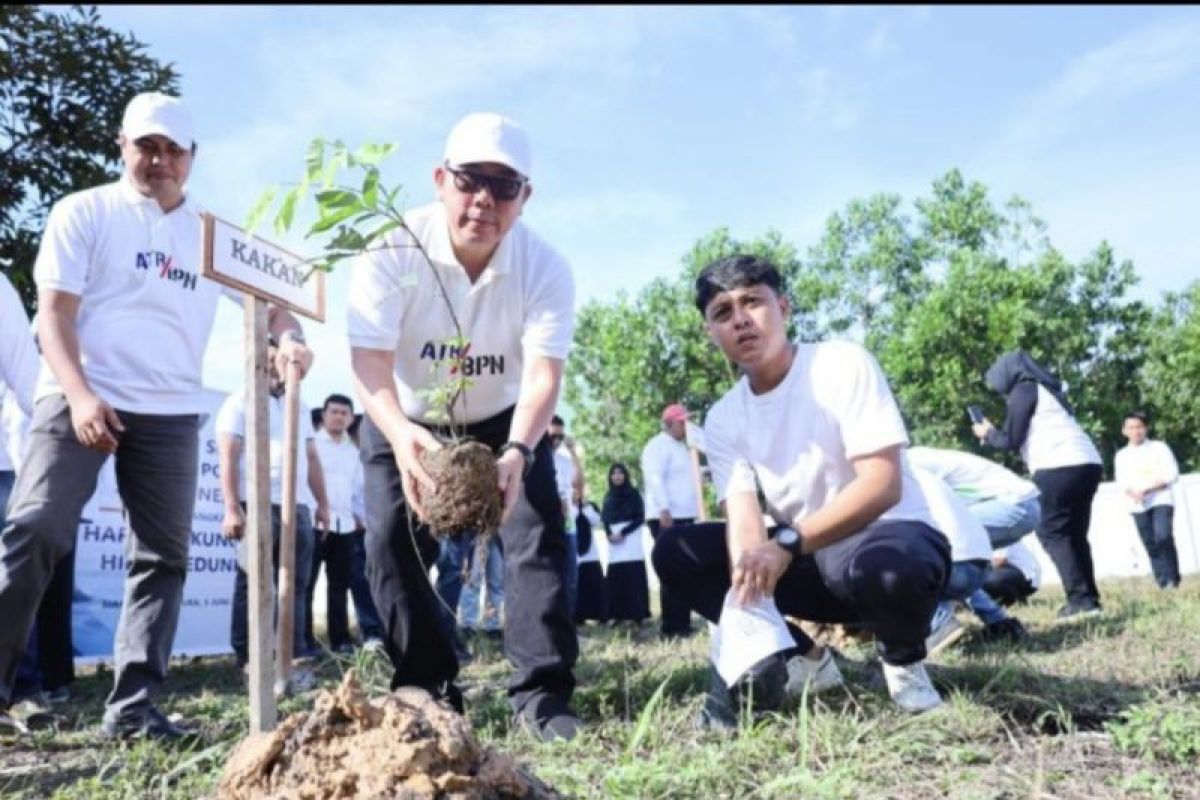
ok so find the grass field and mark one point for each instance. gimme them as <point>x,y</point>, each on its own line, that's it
<point>1103,708</point>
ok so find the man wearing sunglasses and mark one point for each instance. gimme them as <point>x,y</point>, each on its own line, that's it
<point>511,296</point>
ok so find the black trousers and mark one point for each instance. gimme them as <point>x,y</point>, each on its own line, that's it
<point>539,638</point>
<point>337,551</point>
<point>887,576</point>
<point>676,615</point>
<point>1007,585</point>
<point>1156,527</point>
<point>1066,501</point>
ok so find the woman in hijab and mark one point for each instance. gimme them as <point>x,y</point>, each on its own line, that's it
<point>591,600</point>
<point>1064,464</point>
<point>624,515</point>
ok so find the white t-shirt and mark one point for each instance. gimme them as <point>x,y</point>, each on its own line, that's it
<point>1138,467</point>
<point>231,420</point>
<point>975,478</point>
<point>667,472</point>
<point>14,433</point>
<point>1023,559</point>
<point>598,532</point>
<point>18,352</point>
<point>1055,438</point>
<point>798,439</point>
<point>968,538</point>
<point>343,471</point>
<point>145,312</point>
<point>564,473</point>
<point>522,306</point>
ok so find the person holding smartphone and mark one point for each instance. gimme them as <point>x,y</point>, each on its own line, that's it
<point>1064,463</point>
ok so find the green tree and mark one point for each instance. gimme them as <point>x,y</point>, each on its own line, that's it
<point>64,82</point>
<point>1171,374</point>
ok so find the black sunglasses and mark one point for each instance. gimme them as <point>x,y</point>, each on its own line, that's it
<point>500,187</point>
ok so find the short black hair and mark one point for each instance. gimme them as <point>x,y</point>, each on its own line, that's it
<point>735,272</point>
<point>557,420</point>
<point>1142,415</point>
<point>340,399</point>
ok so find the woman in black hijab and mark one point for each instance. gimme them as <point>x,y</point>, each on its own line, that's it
<point>624,514</point>
<point>1063,462</point>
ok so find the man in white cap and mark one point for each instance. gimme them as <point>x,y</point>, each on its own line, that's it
<point>124,317</point>
<point>513,297</point>
<point>670,500</point>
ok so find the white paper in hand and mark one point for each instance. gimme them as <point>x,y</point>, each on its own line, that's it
<point>746,635</point>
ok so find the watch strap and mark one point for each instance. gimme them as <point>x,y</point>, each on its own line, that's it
<point>525,452</point>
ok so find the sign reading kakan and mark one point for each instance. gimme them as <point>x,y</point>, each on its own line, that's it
<point>237,259</point>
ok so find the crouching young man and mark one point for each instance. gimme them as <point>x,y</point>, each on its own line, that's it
<point>816,428</point>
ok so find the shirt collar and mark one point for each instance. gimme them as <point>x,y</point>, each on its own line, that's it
<point>132,196</point>
<point>441,251</point>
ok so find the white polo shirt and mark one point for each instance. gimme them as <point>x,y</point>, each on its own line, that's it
<point>798,439</point>
<point>521,306</point>
<point>975,478</point>
<point>145,313</point>
<point>667,472</point>
<point>231,420</point>
<point>343,471</point>
<point>18,353</point>
<point>1149,463</point>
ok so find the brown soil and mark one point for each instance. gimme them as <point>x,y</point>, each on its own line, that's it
<point>402,746</point>
<point>466,498</point>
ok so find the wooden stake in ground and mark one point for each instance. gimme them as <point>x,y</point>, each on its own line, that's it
<point>263,272</point>
<point>287,533</point>
<point>258,518</point>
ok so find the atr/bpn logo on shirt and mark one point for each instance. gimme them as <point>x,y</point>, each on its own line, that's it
<point>165,266</point>
<point>472,366</point>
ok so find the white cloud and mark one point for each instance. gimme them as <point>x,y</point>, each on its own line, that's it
<point>829,98</point>
<point>1100,79</point>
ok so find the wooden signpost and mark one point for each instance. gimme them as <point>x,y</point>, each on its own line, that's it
<point>265,272</point>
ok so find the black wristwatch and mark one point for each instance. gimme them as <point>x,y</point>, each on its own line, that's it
<point>789,539</point>
<point>525,452</point>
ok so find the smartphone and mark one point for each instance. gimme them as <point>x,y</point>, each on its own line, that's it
<point>975,413</point>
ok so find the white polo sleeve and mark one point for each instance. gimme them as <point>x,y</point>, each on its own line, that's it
<point>1168,466</point>
<point>64,257</point>
<point>857,394</point>
<point>18,353</point>
<point>1121,469</point>
<point>549,320</point>
<point>376,298</point>
<point>231,419</point>
<point>732,473</point>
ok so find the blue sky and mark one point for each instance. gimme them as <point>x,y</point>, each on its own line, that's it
<point>652,126</point>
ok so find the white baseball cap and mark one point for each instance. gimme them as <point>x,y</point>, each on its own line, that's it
<point>483,137</point>
<point>154,112</point>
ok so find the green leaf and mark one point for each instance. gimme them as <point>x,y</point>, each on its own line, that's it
<point>283,220</point>
<point>328,221</point>
<point>382,230</point>
<point>315,160</point>
<point>646,718</point>
<point>260,208</point>
<point>371,154</point>
<point>370,188</point>
<point>338,198</point>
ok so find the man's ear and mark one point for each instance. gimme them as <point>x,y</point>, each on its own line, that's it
<point>785,306</point>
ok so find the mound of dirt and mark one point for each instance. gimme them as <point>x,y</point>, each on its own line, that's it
<point>403,745</point>
<point>466,497</point>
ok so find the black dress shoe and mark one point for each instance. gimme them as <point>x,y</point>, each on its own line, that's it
<point>151,725</point>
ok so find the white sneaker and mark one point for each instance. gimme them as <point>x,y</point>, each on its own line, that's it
<point>911,688</point>
<point>820,675</point>
<point>944,631</point>
<point>373,645</point>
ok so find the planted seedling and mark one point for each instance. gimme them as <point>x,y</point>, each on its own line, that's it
<point>356,220</point>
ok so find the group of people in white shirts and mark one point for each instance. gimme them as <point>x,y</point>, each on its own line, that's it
<point>827,514</point>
